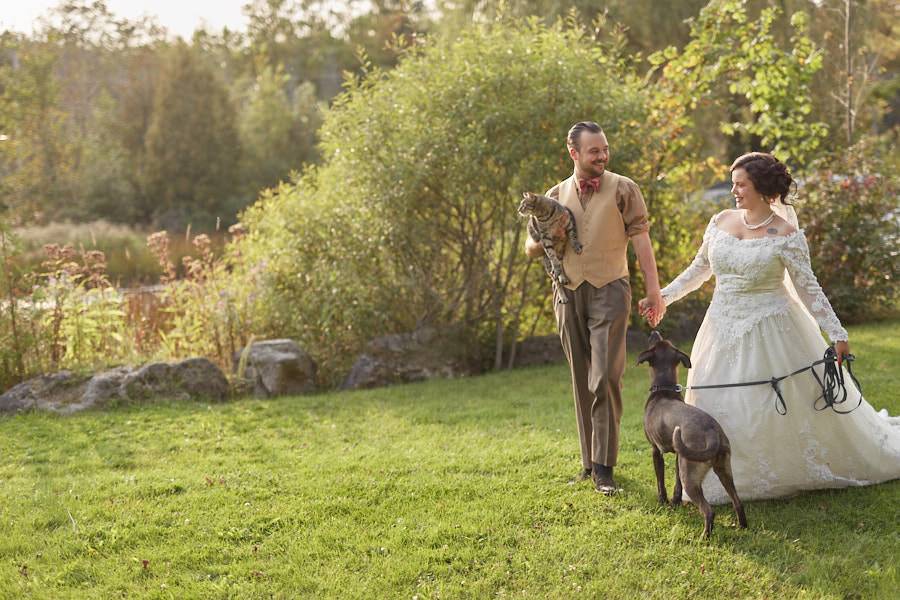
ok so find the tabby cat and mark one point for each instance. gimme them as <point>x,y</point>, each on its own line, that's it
<point>546,214</point>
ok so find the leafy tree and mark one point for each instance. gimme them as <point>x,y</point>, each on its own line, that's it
<point>277,133</point>
<point>732,58</point>
<point>36,156</point>
<point>411,217</point>
<point>192,148</point>
<point>647,27</point>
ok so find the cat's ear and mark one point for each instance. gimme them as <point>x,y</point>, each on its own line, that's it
<point>526,195</point>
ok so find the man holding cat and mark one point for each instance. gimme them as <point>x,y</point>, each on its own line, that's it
<point>592,310</point>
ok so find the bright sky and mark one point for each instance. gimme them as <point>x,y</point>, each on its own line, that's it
<point>180,17</point>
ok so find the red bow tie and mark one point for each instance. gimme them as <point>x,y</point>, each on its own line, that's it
<point>589,186</point>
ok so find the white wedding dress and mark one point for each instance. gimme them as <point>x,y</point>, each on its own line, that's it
<point>756,329</point>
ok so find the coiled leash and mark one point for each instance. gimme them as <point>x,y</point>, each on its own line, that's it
<point>834,389</point>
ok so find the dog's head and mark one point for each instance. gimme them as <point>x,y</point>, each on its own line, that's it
<point>535,205</point>
<point>663,357</point>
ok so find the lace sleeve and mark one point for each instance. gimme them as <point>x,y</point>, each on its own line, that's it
<point>795,256</point>
<point>696,274</point>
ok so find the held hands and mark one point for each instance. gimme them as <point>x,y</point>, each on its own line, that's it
<point>652,308</point>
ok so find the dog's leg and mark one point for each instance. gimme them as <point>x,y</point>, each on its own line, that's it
<point>723,471</point>
<point>693,474</point>
<point>676,492</point>
<point>659,465</point>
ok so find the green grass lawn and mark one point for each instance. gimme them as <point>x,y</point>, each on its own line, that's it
<point>445,489</point>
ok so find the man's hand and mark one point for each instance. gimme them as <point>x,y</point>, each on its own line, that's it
<point>652,308</point>
<point>534,249</point>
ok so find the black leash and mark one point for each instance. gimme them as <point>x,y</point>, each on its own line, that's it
<point>834,389</point>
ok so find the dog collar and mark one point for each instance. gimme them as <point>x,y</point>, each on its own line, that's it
<point>677,388</point>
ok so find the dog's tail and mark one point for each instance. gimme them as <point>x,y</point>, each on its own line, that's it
<point>711,449</point>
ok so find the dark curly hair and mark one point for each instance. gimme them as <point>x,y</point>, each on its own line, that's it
<point>769,175</point>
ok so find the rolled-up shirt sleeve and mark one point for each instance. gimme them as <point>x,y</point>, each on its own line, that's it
<point>631,204</point>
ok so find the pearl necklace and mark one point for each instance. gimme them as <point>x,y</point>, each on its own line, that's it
<point>758,225</point>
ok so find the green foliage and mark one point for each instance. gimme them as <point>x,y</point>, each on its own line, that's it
<point>36,157</point>
<point>277,132</point>
<point>192,154</point>
<point>66,316</point>
<point>128,263</point>
<point>418,191</point>
<point>450,489</point>
<point>730,51</point>
<point>848,208</point>
<point>205,313</point>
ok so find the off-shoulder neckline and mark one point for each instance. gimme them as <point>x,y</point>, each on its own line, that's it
<point>768,237</point>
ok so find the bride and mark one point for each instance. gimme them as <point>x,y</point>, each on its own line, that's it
<point>760,326</point>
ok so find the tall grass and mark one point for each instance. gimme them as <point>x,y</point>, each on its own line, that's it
<point>65,313</point>
<point>129,262</point>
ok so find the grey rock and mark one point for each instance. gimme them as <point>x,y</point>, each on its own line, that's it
<point>67,393</point>
<point>425,353</point>
<point>539,350</point>
<point>45,392</point>
<point>278,367</point>
<point>105,388</point>
<point>191,379</point>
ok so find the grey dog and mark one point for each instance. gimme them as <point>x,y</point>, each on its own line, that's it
<point>695,437</point>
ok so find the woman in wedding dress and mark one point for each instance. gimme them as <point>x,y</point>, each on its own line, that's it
<point>760,326</point>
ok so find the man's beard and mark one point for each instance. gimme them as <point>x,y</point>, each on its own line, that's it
<point>593,169</point>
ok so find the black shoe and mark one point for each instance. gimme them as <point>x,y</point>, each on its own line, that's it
<point>603,480</point>
<point>583,475</point>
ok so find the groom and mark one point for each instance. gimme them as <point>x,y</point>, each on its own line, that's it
<point>609,211</point>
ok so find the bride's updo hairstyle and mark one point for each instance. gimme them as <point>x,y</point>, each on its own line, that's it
<point>769,175</point>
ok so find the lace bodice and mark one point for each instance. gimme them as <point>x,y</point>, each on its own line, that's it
<point>750,282</point>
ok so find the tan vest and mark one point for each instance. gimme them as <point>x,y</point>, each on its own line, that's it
<point>601,230</point>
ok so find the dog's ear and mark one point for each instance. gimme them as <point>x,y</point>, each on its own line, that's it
<point>645,356</point>
<point>685,359</point>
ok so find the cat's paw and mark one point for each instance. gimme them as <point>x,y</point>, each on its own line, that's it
<point>577,247</point>
<point>562,279</point>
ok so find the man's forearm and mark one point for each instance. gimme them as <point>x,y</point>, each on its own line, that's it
<point>647,261</point>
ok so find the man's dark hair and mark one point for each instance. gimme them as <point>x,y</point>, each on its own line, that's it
<point>574,138</point>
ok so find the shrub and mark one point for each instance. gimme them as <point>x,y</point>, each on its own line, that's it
<point>411,219</point>
<point>66,315</point>
<point>848,208</point>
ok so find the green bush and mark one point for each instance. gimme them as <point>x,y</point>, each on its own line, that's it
<point>848,208</point>
<point>412,217</point>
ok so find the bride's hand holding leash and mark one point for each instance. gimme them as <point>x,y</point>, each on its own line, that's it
<point>842,349</point>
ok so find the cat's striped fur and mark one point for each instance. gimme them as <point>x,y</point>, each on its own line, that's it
<point>545,217</point>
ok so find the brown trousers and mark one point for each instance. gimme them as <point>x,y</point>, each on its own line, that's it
<point>592,325</point>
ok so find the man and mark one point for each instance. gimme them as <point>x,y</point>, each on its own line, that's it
<point>609,211</point>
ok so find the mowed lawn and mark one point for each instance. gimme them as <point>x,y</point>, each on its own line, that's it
<point>445,489</point>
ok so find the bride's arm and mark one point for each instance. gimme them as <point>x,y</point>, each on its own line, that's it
<point>696,274</point>
<point>795,256</point>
